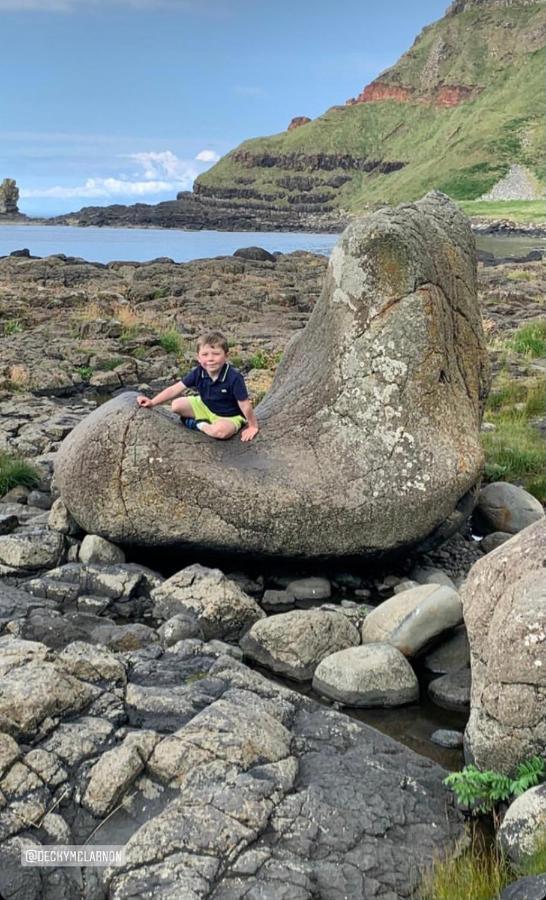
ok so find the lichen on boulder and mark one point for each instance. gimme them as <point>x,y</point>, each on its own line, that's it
<point>369,437</point>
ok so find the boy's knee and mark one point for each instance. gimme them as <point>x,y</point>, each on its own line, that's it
<point>222,430</point>
<point>177,405</point>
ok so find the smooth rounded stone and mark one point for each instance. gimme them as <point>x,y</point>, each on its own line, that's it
<point>293,643</point>
<point>430,575</point>
<point>370,675</point>
<point>310,588</point>
<point>506,507</point>
<point>504,601</point>
<point>40,499</point>
<point>524,825</point>
<point>451,691</point>
<point>491,541</point>
<point>411,619</point>
<point>375,352</point>
<point>532,887</point>
<point>443,737</point>
<point>405,585</point>
<point>220,607</point>
<point>363,593</point>
<point>178,628</point>
<point>451,655</point>
<point>8,523</point>
<point>95,549</point>
<point>124,638</point>
<point>39,548</point>
<point>274,599</point>
<point>59,519</point>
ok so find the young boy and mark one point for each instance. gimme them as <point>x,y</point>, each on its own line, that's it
<point>222,407</point>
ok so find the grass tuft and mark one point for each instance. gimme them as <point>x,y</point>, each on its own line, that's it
<point>477,873</point>
<point>171,341</point>
<point>530,339</point>
<point>15,471</point>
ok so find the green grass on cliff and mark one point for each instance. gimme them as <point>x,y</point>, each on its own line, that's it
<point>462,150</point>
<point>524,212</point>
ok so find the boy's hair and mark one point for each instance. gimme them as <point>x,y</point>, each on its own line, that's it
<point>213,339</point>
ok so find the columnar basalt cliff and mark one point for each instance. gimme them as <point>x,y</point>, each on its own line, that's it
<point>459,109</point>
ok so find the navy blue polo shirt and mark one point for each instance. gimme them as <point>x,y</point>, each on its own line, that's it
<point>220,396</point>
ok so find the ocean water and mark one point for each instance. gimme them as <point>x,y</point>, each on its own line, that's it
<point>141,244</point>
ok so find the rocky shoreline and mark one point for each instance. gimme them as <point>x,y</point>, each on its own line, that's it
<point>128,709</point>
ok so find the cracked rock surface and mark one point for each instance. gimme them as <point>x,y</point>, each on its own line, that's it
<point>388,379</point>
<point>219,783</point>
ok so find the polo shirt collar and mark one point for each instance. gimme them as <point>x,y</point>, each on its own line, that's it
<point>221,376</point>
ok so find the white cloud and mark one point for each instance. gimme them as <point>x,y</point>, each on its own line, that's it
<point>103,187</point>
<point>162,173</point>
<point>207,156</point>
<point>164,164</point>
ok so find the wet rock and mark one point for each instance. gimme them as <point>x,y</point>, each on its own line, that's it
<point>370,675</point>
<point>8,523</point>
<point>504,606</point>
<point>523,828</point>
<point>411,619</point>
<point>451,655</point>
<point>446,738</point>
<point>220,607</point>
<point>532,887</point>
<point>95,549</point>
<point>294,643</point>
<point>507,507</point>
<point>451,691</point>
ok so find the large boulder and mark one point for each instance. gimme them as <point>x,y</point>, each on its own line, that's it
<point>504,607</point>
<point>369,435</point>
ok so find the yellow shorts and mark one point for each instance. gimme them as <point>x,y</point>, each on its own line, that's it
<point>203,413</point>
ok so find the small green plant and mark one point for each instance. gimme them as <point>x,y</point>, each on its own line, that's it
<point>12,326</point>
<point>110,364</point>
<point>85,372</point>
<point>530,339</point>
<point>482,791</point>
<point>160,293</point>
<point>258,360</point>
<point>15,471</point>
<point>519,275</point>
<point>171,341</point>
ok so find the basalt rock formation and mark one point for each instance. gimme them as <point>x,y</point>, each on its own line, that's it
<point>369,438</point>
<point>9,197</point>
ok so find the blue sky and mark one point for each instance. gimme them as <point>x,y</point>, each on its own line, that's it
<point>124,101</point>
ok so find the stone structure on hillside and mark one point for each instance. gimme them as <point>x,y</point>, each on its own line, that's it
<point>9,197</point>
<point>504,607</point>
<point>370,434</point>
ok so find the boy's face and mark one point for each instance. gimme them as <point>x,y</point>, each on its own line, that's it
<point>211,358</point>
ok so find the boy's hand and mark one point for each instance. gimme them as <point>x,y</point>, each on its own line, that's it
<point>249,432</point>
<point>144,401</point>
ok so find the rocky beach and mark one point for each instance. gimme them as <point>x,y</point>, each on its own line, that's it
<point>156,685</point>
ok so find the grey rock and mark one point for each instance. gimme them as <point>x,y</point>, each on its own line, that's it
<point>507,507</point>
<point>532,887</point>
<point>451,655</point>
<point>522,831</point>
<point>411,619</point>
<point>30,550</point>
<point>310,588</point>
<point>378,349</point>
<point>370,675</point>
<point>220,607</point>
<point>504,602</point>
<point>293,643</point>
<point>430,575</point>
<point>178,628</point>
<point>274,600</point>
<point>495,539</point>
<point>124,638</point>
<point>452,691</point>
<point>446,738</point>
<point>41,499</point>
<point>95,549</point>
<point>60,519</point>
